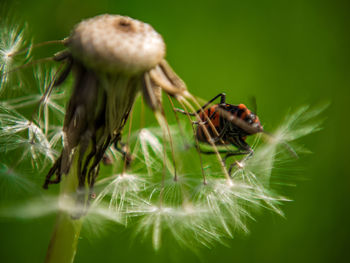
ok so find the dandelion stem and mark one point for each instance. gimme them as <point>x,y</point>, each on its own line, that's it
<point>64,240</point>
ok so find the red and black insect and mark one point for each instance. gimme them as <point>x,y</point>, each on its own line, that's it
<point>226,124</point>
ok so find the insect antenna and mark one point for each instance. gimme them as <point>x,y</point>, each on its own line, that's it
<point>253,103</point>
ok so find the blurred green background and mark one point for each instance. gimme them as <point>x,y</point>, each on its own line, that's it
<point>285,53</point>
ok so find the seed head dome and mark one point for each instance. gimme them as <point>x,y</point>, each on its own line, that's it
<point>115,43</point>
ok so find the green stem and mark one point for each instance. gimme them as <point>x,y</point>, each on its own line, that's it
<point>64,240</point>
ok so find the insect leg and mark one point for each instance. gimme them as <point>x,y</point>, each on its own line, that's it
<point>222,132</point>
<point>222,101</point>
<point>228,153</point>
<point>235,153</point>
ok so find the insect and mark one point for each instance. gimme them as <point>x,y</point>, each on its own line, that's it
<point>226,124</point>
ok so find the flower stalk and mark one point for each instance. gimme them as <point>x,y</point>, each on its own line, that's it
<point>64,239</point>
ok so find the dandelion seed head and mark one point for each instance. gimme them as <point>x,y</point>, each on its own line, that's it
<point>117,43</point>
<point>172,191</point>
<point>121,185</point>
<point>122,192</point>
<point>12,42</point>
<point>19,132</point>
<point>151,151</point>
<point>113,57</point>
<point>298,124</point>
<point>6,55</point>
<point>190,225</point>
<point>147,138</point>
<point>154,221</point>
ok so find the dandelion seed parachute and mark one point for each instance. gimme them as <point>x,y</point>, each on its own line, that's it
<point>12,40</point>
<point>123,192</point>
<point>18,132</point>
<point>204,214</point>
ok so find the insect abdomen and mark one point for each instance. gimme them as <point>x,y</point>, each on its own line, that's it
<point>213,126</point>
